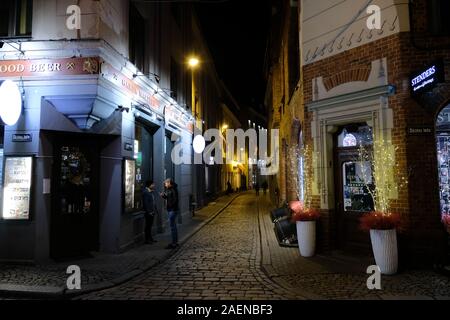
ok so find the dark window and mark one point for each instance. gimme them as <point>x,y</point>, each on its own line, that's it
<point>438,20</point>
<point>174,76</point>
<point>16,16</point>
<point>294,51</point>
<point>137,38</point>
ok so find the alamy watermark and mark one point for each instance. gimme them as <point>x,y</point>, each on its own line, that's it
<point>73,22</point>
<point>374,281</point>
<point>74,280</point>
<point>211,146</point>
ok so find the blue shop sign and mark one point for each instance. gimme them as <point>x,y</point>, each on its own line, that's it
<point>427,78</point>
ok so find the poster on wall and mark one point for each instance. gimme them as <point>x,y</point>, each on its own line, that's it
<point>130,177</point>
<point>17,188</point>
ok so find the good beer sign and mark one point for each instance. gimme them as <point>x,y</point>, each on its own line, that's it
<point>47,67</point>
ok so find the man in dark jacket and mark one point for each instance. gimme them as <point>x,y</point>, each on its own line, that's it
<point>170,194</point>
<point>149,202</point>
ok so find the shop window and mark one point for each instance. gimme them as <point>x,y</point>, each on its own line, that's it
<point>16,18</point>
<point>355,136</point>
<point>438,21</point>
<point>143,156</point>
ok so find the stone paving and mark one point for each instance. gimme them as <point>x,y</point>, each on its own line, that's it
<point>236,256</point>
<point>221,262</point>
<point>233,256</point>
<point>101,269</point>
<point>340,277</point>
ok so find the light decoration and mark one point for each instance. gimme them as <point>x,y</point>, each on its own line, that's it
<point>301,173</point>
<point>386,173</point>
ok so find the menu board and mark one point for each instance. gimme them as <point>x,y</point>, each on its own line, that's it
<point>17,188</point>
<point>130,176</point>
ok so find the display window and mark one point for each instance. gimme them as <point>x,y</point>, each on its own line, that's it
<point>143,163</point>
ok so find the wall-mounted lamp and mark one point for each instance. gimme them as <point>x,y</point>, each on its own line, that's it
<point>157,77</point>
<point>122,109</point>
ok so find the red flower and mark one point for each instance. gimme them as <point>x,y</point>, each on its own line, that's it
<point>296,206</point>
<point>380,221</point>
<point>306,215</point>
<point>446,220</point>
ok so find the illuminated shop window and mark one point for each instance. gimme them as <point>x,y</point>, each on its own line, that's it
<point>143,155</point>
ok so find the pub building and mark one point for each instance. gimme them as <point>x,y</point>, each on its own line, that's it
<point>392,83</point>
<point>74,163</point>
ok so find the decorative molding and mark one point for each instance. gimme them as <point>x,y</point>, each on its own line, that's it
<point>352,98</point>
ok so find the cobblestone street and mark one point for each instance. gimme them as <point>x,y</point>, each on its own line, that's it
<point>236,256</point>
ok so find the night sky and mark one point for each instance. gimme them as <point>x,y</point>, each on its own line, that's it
<point>236,32</point>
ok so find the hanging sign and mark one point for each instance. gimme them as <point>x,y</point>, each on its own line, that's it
<point>427,78</point>
<point>11,102</point>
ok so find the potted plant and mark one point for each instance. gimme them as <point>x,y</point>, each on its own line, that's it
<point>382,223</point>
<point>383,235</point>
<point>305,220</point>
<point>446,221</point>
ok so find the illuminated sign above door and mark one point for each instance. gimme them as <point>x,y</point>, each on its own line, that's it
<point>427,78</point>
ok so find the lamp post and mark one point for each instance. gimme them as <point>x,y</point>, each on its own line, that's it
<point>193,63</point>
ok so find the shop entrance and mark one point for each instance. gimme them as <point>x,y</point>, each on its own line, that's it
<point>75,219</point>
<point>353,178</point>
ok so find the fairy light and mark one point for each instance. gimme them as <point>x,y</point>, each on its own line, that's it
<point>386,173</point>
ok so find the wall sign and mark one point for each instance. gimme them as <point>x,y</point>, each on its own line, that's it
<point>22,137</point>
<point>420,131</point>
<point>427,78</point>
<point>49,67</point>
<point>128,146</point>
<point>17,188</point>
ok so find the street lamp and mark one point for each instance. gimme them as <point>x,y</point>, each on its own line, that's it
<point>193,62</point>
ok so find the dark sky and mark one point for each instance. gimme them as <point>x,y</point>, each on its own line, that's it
<point>236,33</point>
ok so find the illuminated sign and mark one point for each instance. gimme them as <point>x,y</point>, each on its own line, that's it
<point>49,67</point>
<point>17,188</point>
<point>427,78</point>
<point>11,102</point>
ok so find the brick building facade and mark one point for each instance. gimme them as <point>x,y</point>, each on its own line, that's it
<point>358,79</point>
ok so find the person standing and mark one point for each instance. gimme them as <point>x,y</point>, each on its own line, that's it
<point>170,194</point>
<point>229,188</point>
<point>149,202</point>
<point>265,186</point>
<point>257,189</point>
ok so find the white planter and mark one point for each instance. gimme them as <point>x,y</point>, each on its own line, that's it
<point>384,246</point>
<point>306,236</point>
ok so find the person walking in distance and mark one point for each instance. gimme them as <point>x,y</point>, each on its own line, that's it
<point>265,186</point>
<point>257,189</point>
<point>149,202</point>
<point>170,194</point>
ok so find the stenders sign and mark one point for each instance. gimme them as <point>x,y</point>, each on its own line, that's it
<point>427,78</point>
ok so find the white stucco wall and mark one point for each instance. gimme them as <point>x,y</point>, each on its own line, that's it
<point>104,19</point>
<point>330,27</point>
